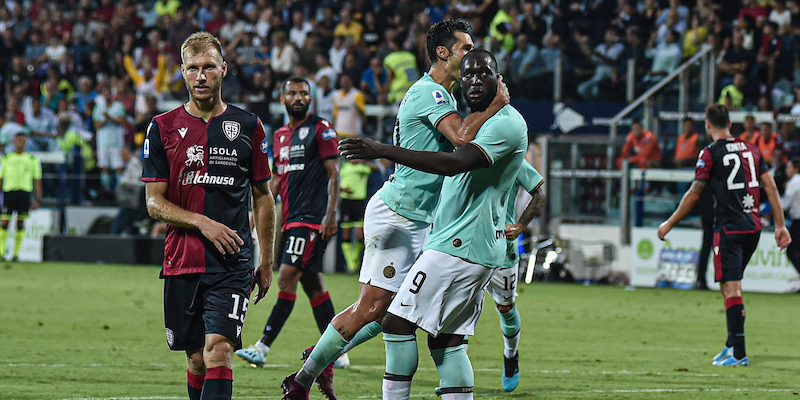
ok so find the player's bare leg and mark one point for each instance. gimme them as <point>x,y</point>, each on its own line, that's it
<point>217,356</point>
<point>195,373</point>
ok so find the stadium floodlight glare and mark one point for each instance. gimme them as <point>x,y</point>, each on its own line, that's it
<point>550,258</point>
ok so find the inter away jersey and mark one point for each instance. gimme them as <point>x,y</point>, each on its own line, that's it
<point>300,156</point>
<point>209,167</point>
<point>408,192</point>
<point>529,179</point>
<point>472,226</point>
<point>733,167</point>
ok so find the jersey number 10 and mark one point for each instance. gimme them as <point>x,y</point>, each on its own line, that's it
<point>737,164</point>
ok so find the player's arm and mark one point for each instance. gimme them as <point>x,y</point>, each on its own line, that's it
<point>329,226</point>
<point>224,239</point>
<point>462,131</point>
<point>264,213</point>
<point>531,210</point>
<point>465,158</point>
<point>782,237</point>
<point>687,203</point>
<point>37,187</point>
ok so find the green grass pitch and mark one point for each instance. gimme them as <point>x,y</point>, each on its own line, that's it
<point>78,331</point>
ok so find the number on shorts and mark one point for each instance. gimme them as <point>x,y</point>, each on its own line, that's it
<point>236,313</point>
<point>508,284</point>
<point>296,246</point>
<point>418,280</point>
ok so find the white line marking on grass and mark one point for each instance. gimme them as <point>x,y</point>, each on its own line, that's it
<point>31,365</point>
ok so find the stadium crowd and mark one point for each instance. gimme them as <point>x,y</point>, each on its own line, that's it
<point>85,77</point>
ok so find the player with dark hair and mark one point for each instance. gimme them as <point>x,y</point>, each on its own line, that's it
<point>202,161</point>
<point>443,291</point>
<point>307,171</point>
<point>735,171</point>
<point>20,175</point>
<point>398,217</point>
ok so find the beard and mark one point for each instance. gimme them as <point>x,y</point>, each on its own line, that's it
<point>297,114</point>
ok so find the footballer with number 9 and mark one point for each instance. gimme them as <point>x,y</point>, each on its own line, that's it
<point>202,162</point>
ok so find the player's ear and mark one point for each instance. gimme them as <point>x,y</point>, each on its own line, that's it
<point>443,53</point>
<point>224,69</point>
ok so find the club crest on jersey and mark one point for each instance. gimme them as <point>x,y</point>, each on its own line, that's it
<point>438,97</point>
<point>302,133</point>
<point>195,156</point>
<point>231,129</point>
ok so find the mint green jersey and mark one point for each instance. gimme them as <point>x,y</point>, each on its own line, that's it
<point>472,225</point>
<point>529,179</point>
<point>408,192</point>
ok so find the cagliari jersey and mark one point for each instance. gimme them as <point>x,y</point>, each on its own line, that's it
<point>529,179</point>
<point>300,156</point>
<point>733,167</point>
<point>408,192</point>
<point>470,224</point>
<point>209,167</point>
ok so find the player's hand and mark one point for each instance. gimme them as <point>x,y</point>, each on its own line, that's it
<point>501,98</point>
<point>262,277</point>
<point>35,204</point>
<point>663,229</point>
<point>328,226</point>
<point>782,237</point>
<point>360,148</point>
<point>224,239</point>
<point>513,231</point>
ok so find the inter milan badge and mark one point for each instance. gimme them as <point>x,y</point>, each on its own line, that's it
<point>170,337</point>
<point>457,243</point>
<point>302,133</point>
<point>231,129</point>
<point>389,271</point>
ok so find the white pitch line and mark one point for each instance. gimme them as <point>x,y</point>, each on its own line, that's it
<point>516,393</point>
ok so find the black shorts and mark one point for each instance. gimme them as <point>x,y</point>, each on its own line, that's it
<point>199,304</point>
<point>732,252</point>
<point>303,248</point>
<point>17,201</point>
<point>352,211</point>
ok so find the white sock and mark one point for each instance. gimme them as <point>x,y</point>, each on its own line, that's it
<point>457,396</point>
<point>511,344</point>
<point>396,390</point>
<point>263,348</point>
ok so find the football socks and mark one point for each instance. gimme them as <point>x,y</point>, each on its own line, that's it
<point>195,385</point>
<point>18,235</point>
<point>280,313</point>
<point>322,306</point>
<point>3,241</point>
<point>455,372</point>
<point>510,324</point>
<point>367,332</point>
<point>327,349</point>
<point>401,363</point>
<point>218,384</point>
<point>734,310</point>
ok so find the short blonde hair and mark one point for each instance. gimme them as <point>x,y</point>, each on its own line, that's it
<point>199,43</point>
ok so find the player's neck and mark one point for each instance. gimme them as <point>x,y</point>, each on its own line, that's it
<point>205,109</point>
<point>721,134</point>
<point>294,122</point>
<point>439,75</point>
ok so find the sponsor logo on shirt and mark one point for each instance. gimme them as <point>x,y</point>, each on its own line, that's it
<point>203,178</point>
<point>298,150</point>
<point>283,154</point>
<point>231,129</point>
<point>223,156</point>
<point>290,168</point>
<point>195,155</point>
<point>438,97</point>
<point>302,133</point>
<point>182,131</point>
<point>328,134</point>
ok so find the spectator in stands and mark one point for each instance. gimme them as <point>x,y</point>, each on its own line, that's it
<point>780,15</point>
<point>179,28</point>
<point>147,80</point>
<point>673,22</point>
<point>84,94</point>
<point>750,133</point>
<point>687,147</point>
<point>636,49</point>
<point>751,35</point>
<point>323,97</point>
<point>523,66</point>
<point>706,8</point>
<point>55,87</point>
<point>666,57</point>
<point>283,56</point>
<point>35,50</point>
<point>736,60</point>
<point>233,26</point>
<point>732,96</point>
<point>78,157</point>
<point>348,109</point>
<point>437,10</point>
<point>167,7</point>
<point>109,117</point>
<point>347,27</point>
<point>531,24</point>
<point>754,10</point>
<point>336,55</point>
<point>401,71</point>
<point>325,27</point>
<point>768,141</point>
<point>244,54</point>
<point>129,193</point>
<point>769,60</point>
<point>217,20</point>
<point>42,124</point>
<point>500,28</point>
<point>695,36</point>
<point>352,68</point>
<point>9,130</point>
<point>604,57</point>
<point>641,148</point>
<point>372,36</point>
<point>300,29</point>
<point>373,82</point>
<point>778,170</point>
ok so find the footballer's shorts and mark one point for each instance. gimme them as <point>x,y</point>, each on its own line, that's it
<point>503,285</point>
<point>303,248</point>
<point>204,303</point>
<point>442,294</point>
<point>351,213</point>
<point>392,243</point>
<point>732,252</point>
<point>16,202</point>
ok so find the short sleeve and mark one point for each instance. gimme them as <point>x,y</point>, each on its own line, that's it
<point>155,165</point>
<point>260,169</point>
<point>37,168</point>
<point>327,140</point>
<point>498,137</point>
<point>703,167</point>
<point>434,103</point>
<point>528,177</point>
